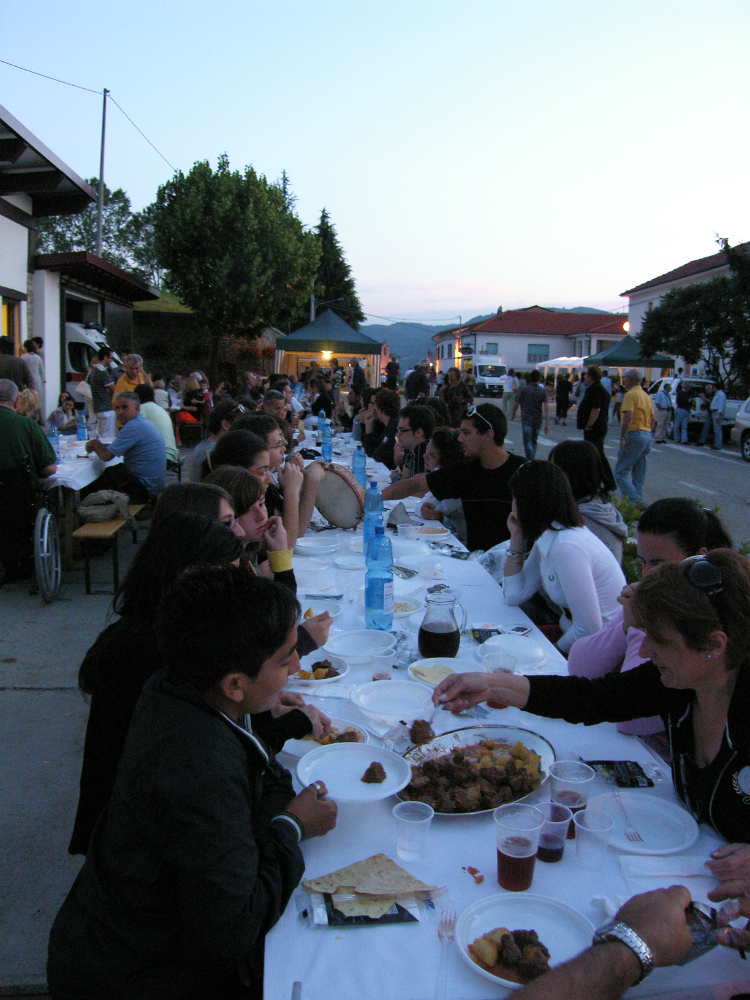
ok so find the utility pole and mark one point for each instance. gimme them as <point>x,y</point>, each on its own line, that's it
<point>312,300</point>
<point>100,200</point>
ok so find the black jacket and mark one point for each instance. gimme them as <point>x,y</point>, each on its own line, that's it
<point>596,397</point>
<point>415,383</point>
<point>718,794</point>
<point>189,868</point>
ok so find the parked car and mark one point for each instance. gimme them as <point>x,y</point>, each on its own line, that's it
<point>741,430</point>
<point>695,386</point>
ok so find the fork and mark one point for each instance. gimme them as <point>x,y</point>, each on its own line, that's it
<point>446,929</point>
<point>630,831</point>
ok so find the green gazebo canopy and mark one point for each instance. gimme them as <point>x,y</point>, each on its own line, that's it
<point>628,354</point>
<point>328,332</point>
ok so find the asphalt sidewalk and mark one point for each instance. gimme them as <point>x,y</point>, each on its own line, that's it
<point>42,725</point>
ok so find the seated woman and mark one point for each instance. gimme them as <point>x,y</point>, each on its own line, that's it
<point>669,530</point>
<point>189,420</point>
<point>65,417</point>
<point>198,854</point>
<point>197,498</point>
<point>582,463</point>
<point>443,450</point>
<point>695,617</point>
<point>239,447</point>
<point>566,561</point>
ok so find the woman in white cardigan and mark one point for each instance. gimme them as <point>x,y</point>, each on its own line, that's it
<point>551,550</point>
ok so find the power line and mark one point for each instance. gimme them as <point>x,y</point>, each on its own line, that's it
<point>90,91</point>
<point>390,319</point>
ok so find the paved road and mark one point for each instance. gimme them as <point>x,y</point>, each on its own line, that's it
<point>716,479</point>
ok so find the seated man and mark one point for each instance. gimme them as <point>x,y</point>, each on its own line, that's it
<point>275,404</point>
<point>385,409</point>
<point>198,853</point>
<point>25,456</point>
<point>158,417</point>
<point>415,426</point>
<point>144,472</point>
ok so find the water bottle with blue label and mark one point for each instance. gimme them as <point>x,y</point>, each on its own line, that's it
<point>326,441</point>
<point>373,513</point>
<point>379,582</point>
<point>54,441</point>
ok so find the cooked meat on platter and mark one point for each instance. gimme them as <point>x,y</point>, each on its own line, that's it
<point>374,775</point>
<point>484,775</point>
<point>515,955</point>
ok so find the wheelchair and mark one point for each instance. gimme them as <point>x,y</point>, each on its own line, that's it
<point>29,539</point>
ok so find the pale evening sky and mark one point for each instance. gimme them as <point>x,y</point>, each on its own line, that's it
<point>471,154</point>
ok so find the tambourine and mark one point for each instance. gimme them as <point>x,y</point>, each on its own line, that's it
<point>340,498</point>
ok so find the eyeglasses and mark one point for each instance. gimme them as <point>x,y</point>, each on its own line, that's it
<point>403,430</point>
<point>474,412</point>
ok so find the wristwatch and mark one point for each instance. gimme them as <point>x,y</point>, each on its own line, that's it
<point>616,930</point>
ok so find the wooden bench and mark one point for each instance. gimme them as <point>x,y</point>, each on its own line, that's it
<point>101,531</point>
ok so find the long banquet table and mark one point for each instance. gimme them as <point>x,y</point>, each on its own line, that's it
<point>400,961</point>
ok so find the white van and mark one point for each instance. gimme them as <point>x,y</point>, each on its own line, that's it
<point>82,341</point>
<point>488,371</point>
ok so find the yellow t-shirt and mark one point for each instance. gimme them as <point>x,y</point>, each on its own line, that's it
<point>126,384</point>
<point>638,403</point>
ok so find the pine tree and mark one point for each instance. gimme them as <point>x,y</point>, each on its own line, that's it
<point>334,282</point>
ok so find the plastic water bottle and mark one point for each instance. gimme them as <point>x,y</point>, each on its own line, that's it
<point>359,466</point>
<point>326,441</point>
<point>373,513</point>
<point>379,582</point>
<point>81,427</point>
<point>54,441</point>
<point>319,428</point>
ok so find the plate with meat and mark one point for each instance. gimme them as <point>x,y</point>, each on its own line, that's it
<point>474,770</point>
<point>355,772</point>
<point>320,668</point>
<point>513,938</point>
<point>343,732</point>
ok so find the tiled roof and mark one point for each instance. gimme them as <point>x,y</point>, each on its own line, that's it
<point>711,263</point>
<point>547,322</point>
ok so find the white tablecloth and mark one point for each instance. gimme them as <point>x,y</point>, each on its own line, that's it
<point>400,962</point>
<point>75,470</point>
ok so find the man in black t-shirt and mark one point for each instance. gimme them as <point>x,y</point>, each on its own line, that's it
<point>481,483</point>
<point>593,418</point>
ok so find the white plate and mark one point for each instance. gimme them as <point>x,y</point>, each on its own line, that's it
<point>390,702</point>
<point>318,607</point>
<point>457,738</point>
<point>413,602</point>
<point>342,765</point>
<point>456,666</point>
<point>300,748</point>
<point>528,652</point>
<point>431,532</point>
<point>315,546</point>
<point>350,562</point>
<point>307,661</point>
<point>357,644</point>
<point>562,930</point>
<point>405,547</point>
<point>666,828</point>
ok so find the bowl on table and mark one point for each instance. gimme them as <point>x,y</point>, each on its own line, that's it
<point>390,702</point>
<point>529,654</point>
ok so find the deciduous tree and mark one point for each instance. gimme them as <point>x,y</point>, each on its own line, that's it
<point>708,322</point>
<point>235,251</point>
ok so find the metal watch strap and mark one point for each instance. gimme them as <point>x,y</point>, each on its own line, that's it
<point>615,930</point>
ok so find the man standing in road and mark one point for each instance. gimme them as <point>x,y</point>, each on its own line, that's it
<point>392,370</point>
<point>663,405</point>
<point>636,425</point>
<point>716,399</point>
<point>681,413</point>
<point>593,416</point>
<point>510,390</point>
<point>532,399</point>
<point>481,482</point>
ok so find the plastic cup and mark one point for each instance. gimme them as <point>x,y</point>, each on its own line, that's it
<point>570,786</point>
<point>347,583</point>
<point>518,828</point>
<point>406,531</point>
<point>496,662</point>
<point>382,665</point>
<point>593,830</point>
<point>554,832</point>
<point>413,826</point>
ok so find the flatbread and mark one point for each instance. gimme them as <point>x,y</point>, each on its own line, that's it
<point>375,876</point>
<point>373,908</point>
<point>432,675</point>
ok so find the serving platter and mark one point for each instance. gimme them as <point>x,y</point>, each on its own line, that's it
<point>457,738</point>
<point>342,765</point>
<point>564,931</point>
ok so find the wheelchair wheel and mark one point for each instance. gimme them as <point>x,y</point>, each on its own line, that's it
<point>47,554</point>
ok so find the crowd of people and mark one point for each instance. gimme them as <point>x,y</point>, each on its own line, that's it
<point>189,826</point>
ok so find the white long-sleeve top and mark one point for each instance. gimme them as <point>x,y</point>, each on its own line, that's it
<point>576,571</point>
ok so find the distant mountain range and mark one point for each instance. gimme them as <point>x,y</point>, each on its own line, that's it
<point>410,342</point>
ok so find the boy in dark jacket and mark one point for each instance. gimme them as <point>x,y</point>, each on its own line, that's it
<point>198,852</point>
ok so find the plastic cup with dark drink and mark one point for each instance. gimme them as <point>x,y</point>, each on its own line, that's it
<point>570,783</point>
<point>557,820</point>
<point>518,828</point>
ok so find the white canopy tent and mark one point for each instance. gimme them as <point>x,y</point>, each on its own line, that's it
<point>560,364</point>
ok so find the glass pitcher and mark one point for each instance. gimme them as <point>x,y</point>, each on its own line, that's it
<point>440,633</point>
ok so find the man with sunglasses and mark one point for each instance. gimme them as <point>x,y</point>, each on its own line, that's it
<point>481,482</point>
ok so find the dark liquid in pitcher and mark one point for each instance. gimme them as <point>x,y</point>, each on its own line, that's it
<point>434,641</point>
